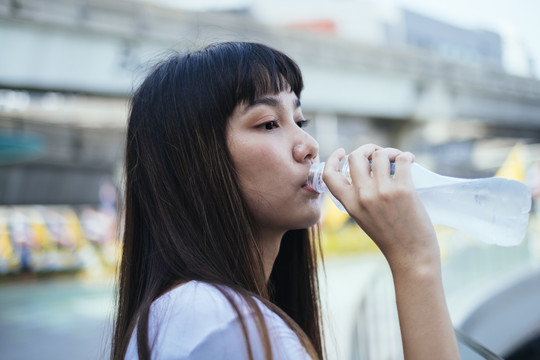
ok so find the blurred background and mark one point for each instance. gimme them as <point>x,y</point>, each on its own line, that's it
<point>456,83</point>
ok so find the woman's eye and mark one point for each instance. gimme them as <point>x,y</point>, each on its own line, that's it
<point>270,125</point>
<point>302,123</point>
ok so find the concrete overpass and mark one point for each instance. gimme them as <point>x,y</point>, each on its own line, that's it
<point>97,46</point>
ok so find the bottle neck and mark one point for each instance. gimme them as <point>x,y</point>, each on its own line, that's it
<point>315,178</point>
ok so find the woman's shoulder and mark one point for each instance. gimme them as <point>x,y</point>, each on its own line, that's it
<point>198,301</point>
<point>184,317</point>
<point>197,320</point>
<point>187,315</point>
<point>195,295</point>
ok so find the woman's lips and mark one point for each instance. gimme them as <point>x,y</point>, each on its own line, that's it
<point>309,188</point>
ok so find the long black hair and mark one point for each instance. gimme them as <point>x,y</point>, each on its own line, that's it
<point>185,217</point>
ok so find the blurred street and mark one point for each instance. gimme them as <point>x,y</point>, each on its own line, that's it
<point>57,318</point>
<point>69,316</point>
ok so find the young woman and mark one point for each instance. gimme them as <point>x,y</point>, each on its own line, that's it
<point>219,250</point>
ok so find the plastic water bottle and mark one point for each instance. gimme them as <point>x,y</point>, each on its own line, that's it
<point>493,210</point>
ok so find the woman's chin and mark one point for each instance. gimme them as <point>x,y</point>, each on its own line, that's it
<point>313,216</point>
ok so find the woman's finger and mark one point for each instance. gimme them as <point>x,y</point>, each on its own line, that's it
<point>359,165</point>
<point>334,180</point>
<point>403,167</point>
<point>380,164</point>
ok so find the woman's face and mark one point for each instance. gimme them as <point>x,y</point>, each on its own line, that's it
<point>272,155</point>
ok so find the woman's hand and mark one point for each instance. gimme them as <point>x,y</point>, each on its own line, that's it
<point>387,208</point>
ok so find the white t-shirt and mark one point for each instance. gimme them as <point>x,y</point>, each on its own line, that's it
<point>195,321</point>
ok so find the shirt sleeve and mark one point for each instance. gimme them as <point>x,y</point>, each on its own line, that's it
<point>229,342</point>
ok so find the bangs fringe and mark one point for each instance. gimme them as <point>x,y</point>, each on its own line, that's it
<point>257,70</point>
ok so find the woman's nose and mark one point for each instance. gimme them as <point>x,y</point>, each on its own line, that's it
<point>307,148</point>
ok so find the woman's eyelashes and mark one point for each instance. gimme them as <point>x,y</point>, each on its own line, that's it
<point>303,123</point>
<point>270,125</point>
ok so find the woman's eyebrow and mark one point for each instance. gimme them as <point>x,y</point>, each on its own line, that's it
<point>270,101</point>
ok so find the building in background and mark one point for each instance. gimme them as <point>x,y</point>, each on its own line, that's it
<point>481,48</point>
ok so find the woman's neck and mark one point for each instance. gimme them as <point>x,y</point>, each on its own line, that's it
<point>269,244</point>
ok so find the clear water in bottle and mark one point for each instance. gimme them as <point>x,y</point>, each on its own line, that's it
<point>492,210</point>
